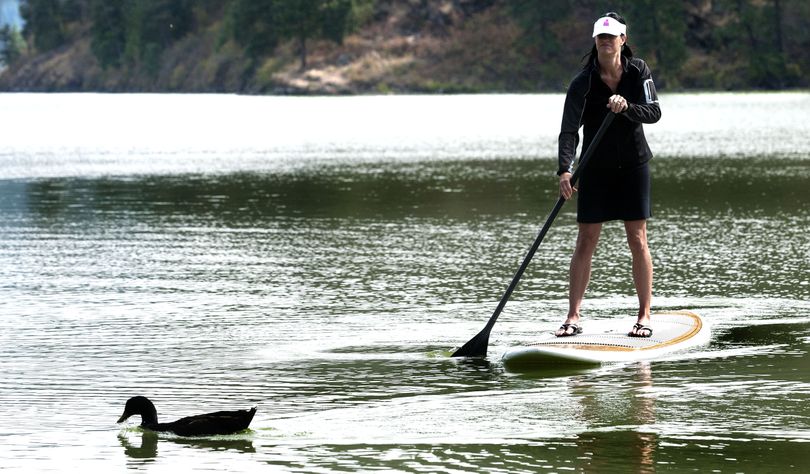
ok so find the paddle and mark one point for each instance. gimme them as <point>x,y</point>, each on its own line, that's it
<point>477,346</point>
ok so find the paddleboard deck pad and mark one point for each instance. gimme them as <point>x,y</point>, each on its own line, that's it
<point>607,340</point>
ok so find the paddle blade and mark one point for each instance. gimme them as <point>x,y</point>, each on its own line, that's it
<point>475,347</point>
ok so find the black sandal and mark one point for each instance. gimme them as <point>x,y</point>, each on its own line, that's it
<point>577,330</point>
<point>637,331</point>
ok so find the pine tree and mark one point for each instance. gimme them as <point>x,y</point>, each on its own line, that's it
<point>108,36</point>
<point>43,23</point>
<point>12,45</point>
<point>260,24</point>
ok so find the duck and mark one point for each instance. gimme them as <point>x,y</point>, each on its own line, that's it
<point>217,423</point>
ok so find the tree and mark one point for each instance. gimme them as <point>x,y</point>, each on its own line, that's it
<point>12,45</point>
<point>751,37</point>
<point>795,40</point>
<point>43,23</point>
<point>152,26</point>
<point>660,29</point>
<point>305,19</point>
<point>252,23</point>
<point>107,32</point>
<point>75,10</point>
<point>260,24</point>
<point>537,19</point>
<point>550,60</point>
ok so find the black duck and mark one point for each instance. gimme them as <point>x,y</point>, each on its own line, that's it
<point>217,423</point>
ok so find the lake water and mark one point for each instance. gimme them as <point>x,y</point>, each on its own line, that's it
<point>320,258</point>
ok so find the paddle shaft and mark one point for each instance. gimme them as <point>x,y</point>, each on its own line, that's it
<point>477,346</point>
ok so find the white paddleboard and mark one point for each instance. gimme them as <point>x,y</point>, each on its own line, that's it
<point>607,341</point>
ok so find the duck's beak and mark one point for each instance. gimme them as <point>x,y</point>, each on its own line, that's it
<point>124,417</point>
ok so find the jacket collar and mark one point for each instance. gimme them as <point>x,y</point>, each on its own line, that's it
<point>625,63</point>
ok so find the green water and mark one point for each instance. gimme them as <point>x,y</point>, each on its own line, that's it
<point>329,292</point>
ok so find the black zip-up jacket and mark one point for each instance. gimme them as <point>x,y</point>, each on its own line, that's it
<point>624,144</point>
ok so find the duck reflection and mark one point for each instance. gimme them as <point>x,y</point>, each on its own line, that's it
<point>146,450</point>
<point>148,447</point>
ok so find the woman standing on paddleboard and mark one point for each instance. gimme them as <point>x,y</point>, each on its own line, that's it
<point>615,185</point>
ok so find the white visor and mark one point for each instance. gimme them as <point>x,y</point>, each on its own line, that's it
<point>610,26</point>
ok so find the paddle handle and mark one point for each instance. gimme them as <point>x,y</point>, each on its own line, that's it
<point>477,346</point>
<point>583,160</point>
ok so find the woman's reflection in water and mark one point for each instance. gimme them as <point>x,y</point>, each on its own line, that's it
<point>620,418</point>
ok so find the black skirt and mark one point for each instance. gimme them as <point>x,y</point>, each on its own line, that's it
<point>619,194</point>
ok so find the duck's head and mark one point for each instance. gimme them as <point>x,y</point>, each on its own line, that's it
<point>140,406</point>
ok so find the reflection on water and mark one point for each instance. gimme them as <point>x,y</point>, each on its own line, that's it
<point>147,449</point>
<point>329,290</point>
<point>627,414</point>
<point>144,445</point>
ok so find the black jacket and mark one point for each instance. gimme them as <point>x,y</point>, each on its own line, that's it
<point>624,144</point>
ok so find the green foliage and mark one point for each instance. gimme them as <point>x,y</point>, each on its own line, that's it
<point>362,12</point>
<point>259,25</point>
<point>544,58</point>
<point>252,23</point>
<point>760,34</point>
<point>151,27</point>
<point>136,32</point>
<point>12,45</point>
<point>765,61</point>
<point>516,45</point>
<point>44,23</point>
<point>537,18</point>
<point>108,36</point>
<point>74,10</point>
<point>759,43</point>
<point>794,40</point>
<point>659,28</point>
<point>335,15</point>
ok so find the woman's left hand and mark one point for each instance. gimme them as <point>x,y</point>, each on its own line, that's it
<point>617,104</point>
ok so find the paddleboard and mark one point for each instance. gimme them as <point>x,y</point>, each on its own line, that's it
<point>606,340</point>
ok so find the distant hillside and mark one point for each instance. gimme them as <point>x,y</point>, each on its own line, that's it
<point>382,46</point>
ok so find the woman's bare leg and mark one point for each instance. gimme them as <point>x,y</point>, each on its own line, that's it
<point>580,270</point>
<point>642,267</point>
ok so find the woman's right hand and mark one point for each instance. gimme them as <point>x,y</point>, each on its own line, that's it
<point>566,190</point>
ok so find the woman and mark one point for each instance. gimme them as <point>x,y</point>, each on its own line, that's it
<point>616,183</point>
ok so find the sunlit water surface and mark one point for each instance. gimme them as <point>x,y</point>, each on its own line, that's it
<point>320,258</point>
